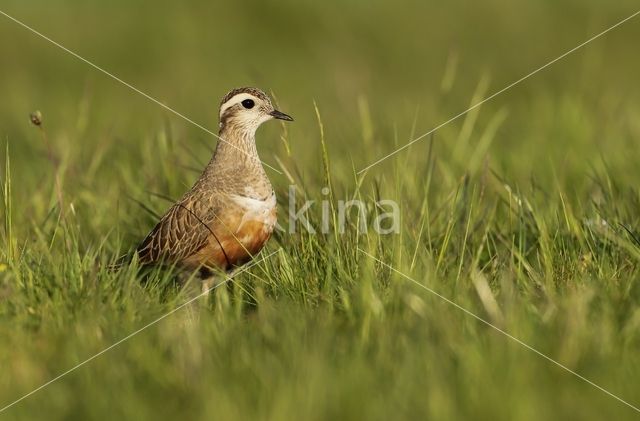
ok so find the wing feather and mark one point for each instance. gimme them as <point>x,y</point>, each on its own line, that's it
<point>183,231</point>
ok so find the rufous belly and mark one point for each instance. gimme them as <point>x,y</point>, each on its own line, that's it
<point>239,235</point>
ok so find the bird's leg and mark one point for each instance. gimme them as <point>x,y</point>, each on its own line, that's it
<point>208,284</point>
<point>209,280</point>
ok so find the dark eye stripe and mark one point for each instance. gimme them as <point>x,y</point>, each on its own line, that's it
<point>248,103</point>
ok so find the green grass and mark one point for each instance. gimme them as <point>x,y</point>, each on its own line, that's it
<point>524,211</point>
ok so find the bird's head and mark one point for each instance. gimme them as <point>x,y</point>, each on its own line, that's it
<point>247,108</point>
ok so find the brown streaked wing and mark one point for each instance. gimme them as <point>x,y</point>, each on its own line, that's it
<point>181,232</point>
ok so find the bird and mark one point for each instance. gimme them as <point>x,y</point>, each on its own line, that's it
<point>229,213</point>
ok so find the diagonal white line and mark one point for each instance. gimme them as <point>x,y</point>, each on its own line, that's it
<point>529,347</point>
<point>417,139</point>
<point>93,357</point>
<point>133,88</point>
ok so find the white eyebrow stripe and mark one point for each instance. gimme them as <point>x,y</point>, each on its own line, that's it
<point>235,100</point>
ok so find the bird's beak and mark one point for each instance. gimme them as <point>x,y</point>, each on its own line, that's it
<point>280,115</point>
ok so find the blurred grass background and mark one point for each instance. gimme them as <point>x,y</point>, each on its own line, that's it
<point>525,210</point>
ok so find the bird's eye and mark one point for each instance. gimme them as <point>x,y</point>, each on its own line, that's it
<point>248,103</point>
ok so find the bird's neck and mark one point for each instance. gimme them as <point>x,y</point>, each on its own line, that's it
<point>237,145</point>
<point>235,161</point>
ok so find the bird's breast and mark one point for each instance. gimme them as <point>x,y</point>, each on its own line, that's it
<point>257,211</point>
<point>244,228</point>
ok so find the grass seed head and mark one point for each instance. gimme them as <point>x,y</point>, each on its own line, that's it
<point>36,118</point>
